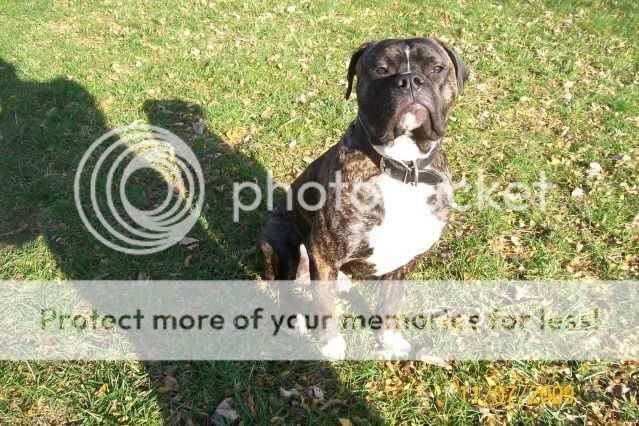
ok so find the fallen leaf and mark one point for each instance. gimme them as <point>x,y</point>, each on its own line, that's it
<point>594,169</point>
<point>433,360</point>
<point>266,114</point>
<point>224,414</point>
<point>198,127</point>
<point>345,422</point>
<point>314,392</point>
<point>102,390</point>
<point>169,384</point>
<point>618,389</point>
<point>187,241</point>
<point>250,403</point>
<point>568,85</point>
<point>288,393</point>
<point>578,193</point>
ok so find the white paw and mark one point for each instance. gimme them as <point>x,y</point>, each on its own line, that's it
<point>300,326</point>
<point>335,348</point>
<point>299,329</point>
<point>395,343</point>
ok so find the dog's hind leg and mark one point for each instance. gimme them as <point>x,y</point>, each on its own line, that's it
<point>270,260</point>
<point>279,245</point>
<point>323,278</point>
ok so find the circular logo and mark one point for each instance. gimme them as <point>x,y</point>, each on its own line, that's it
<point>111,161</point>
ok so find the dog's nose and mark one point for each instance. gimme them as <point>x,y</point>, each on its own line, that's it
<point>414,80</point>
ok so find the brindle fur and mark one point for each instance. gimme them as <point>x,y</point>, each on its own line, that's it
<point>336,239</point>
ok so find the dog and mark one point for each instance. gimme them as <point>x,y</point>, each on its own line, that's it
<point>395,190</point>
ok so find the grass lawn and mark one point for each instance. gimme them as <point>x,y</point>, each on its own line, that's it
<point>554,87</point>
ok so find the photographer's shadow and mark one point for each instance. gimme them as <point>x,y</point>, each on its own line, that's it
<point>229,252</point>
<point>45,129</point>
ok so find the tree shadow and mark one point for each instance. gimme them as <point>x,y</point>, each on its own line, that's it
<point>45,128</point>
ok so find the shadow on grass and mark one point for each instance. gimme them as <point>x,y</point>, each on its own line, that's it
<point>45,128</point>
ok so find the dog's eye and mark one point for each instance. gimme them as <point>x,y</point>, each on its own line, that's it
<point>436,70</point>
<point>381,70</point>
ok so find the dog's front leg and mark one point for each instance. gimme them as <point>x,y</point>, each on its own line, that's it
<point>391,298</point>
<point>391,295</point>
<point>323,282</point>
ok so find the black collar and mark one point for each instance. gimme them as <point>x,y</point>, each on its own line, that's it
<point>411,172</point>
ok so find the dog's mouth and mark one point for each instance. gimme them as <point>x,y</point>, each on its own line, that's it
<point>421,122</point>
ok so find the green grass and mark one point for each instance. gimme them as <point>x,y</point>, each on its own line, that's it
<point>69,71</point>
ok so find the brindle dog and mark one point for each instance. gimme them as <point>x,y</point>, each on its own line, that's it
<point>375,203</point>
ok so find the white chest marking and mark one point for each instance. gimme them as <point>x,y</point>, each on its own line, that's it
<point>404,147</point>
<point>409,227</point>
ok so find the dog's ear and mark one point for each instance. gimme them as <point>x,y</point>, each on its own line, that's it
<point>461,70</point>
<point>352,66</point>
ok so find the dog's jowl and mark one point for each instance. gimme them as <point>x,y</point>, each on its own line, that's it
<point>376,202</point>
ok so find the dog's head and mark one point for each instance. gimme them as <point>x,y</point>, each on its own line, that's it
<point>405,90</point>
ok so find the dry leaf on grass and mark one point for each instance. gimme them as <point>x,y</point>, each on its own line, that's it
<point>250,403</point>
<point>198,127</point>
<point>224,414</point>
<point>289,393</point>
<point>314,393</point>
<point>169,384</point>
<point>102,390</point>
<point>594,169</point>
<point>578,193</point>
<point>433,360</point>
<point>187,241</point>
